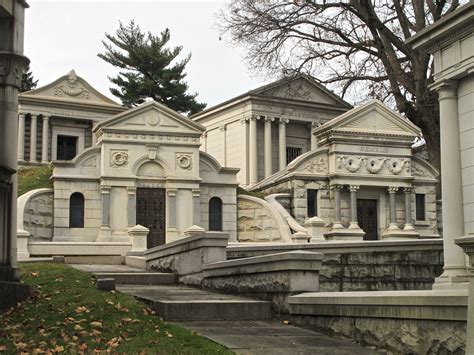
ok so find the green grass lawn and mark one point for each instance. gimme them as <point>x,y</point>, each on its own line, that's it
<point>68,314</point>
<point>34,178</point>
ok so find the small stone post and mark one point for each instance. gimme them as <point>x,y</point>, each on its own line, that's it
<point>22,244</point>
<point>467,243</point>
<point>138,234</point>
<point>194,230</point>
<point>316,228</point>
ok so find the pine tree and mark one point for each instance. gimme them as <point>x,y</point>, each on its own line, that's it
<point>28,82</point>
<point>148,69</point>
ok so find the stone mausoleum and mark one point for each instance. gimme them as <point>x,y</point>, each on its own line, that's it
<point>336,173</point>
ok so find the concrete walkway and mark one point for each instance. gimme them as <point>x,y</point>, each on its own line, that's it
<point>273,338</point>
<point>247,333</point>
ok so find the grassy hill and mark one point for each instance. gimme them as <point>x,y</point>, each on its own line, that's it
<point>34,178</point>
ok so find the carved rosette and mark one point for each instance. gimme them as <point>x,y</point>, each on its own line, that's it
<point>12,67</point>
<point>184,160</point>
<point>118,158</point>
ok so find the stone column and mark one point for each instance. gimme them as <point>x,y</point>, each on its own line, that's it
<point>354,223</point>
<point>132,206</point>
<point>94,137</point>
<point>196,206</point>
<point>105,205</point>
<point>172,207</point>
<point>204,135</point>
<point>337,207</point>
<point>408,219</point>
<point>282,143</point>
<point>21,137</point>
<point>33,132</point>
<point>45,141</point>
<point>454,269</point>
<point>268,146</point>
<point>393,208</point>
<point>253,157</point>
<point>223,129</point>
<point>314,141</point>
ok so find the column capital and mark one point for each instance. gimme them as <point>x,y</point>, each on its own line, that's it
<point>354,188</point>
<point>171,192</point>
<point>269,119</point>
<point>283,121</point>
<point>131,190</point>
<point>336,187</point>
<point>45,116</point>
<point>22,114</point>
<point>33,115</point>
<point>196,192</point>
<point>408,189</point>
<point>446,89</point>
<point>392,189</point>
<point>13,66</point>
<point>105,190</point>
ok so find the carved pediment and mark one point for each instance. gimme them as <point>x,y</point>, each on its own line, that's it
<point>303,88</point>
<point>371,118</point>
<point>70,87</point>
<point>152,117</point>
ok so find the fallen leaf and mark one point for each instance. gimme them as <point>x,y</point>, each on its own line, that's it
<point>3,347</point>
<point>77,327</point>
<point>59,348</point>
<point>34,274</point>
<point>75,338</point>
<point>286,322</point>
<point>96,324</point>
<point>81,309</point>
<point>82,346</point>
<point>96,332</point>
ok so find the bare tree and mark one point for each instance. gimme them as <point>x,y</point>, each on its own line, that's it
<point>356,47</point>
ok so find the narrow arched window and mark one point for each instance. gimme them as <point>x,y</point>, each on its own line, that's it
<point>76,210</point>
<point>215,214</point>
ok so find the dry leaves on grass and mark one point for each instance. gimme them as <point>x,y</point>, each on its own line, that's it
<point>96,324</point>
<point>82,309</point>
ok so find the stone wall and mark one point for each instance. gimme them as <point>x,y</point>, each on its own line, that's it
<point>367,266</point>
<point>383,270</point>
<point>255,223</point>
<point>38,215</point>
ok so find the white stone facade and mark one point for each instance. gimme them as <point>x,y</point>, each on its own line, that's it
<point>150,147</point>
<point>364,154</point>
<point>69,108</point>
<point>255,131</point>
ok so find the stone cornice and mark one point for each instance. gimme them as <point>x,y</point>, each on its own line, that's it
<point>443,32</point>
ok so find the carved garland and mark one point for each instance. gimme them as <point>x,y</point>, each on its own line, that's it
<point>351,164</point>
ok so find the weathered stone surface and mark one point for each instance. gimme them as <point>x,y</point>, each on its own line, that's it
<point>255,223</point>
<point>400,336</point>
<point>38,216</point>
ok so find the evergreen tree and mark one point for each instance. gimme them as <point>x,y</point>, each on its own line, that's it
<point>28,82</point>
<point>148,69</point>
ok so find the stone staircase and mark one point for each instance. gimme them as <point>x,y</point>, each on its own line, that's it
<point>175,302</point>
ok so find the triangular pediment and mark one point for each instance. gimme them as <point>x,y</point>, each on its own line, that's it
<point>152,117</point>
<point>373,117</point>
<point>70,87</point>
<point>302,88</point>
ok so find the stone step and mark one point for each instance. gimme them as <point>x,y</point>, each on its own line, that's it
<point>180,303</point>
<point>138,278</point>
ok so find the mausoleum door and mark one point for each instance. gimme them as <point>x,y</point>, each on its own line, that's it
<point>367,218</point>
<point>151,212</point>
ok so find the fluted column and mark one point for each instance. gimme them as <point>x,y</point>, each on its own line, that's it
<point>337,207</point>
<point>105,205</point>
<point>451,186</point>
<point>45,140</point>
<point>253,158</point>
<point>393,208</point>
<point>94,137</point>
<point>314,141</point>
<point>132,206</point>
<point>408,219</point>
<point>282,142</point>
<point>196,207</point>
<point>21,137</point>
<point>33,133</point>
<point>268,146</point>
<point>354,223</point>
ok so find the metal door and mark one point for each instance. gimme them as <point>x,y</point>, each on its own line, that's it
<point>151,209</point>
<point>367,218</point>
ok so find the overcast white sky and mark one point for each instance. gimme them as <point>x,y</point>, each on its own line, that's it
<point>65,35</point>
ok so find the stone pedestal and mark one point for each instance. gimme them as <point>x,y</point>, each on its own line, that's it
<point>300,238</point>
<point>316,228</point>
<point>22,244</point>
<point>194,231</point>
<point>467,243</point>
<point>138,234</point>
<point>344,234</point>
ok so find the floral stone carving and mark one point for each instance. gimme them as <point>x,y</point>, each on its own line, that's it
<point>184,160</point>
<point>118,158</point>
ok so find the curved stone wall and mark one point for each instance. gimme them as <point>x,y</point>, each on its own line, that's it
<point>36,213</point>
